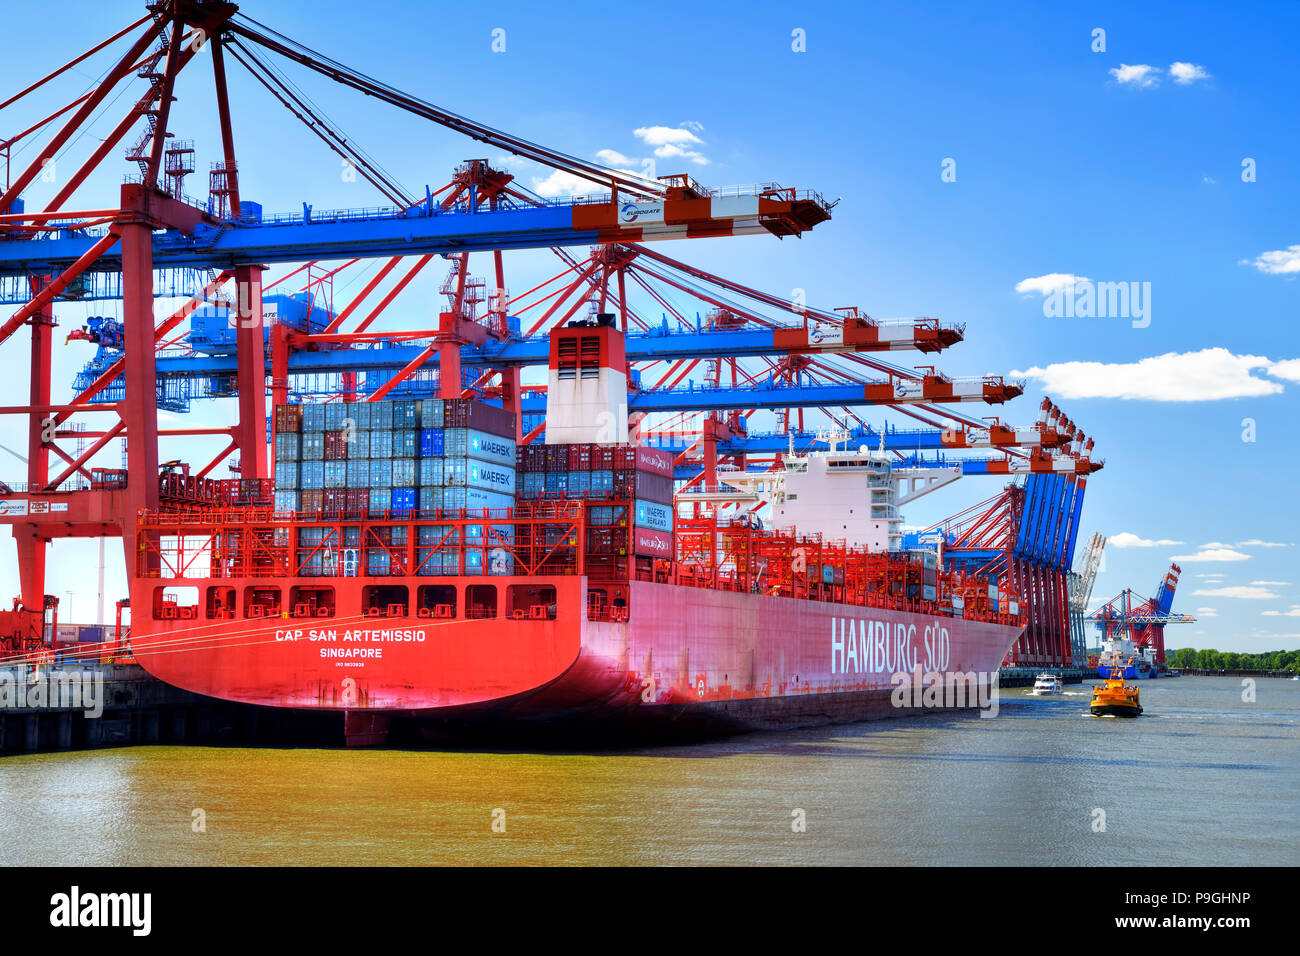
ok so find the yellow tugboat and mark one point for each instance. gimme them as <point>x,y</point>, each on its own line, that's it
<point>1115,698</point>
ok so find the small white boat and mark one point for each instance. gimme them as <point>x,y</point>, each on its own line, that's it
<point>1048,684</point>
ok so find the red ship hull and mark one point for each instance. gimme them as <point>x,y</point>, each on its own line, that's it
<point>683,655</point>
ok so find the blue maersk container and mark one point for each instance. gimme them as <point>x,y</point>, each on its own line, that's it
<point>288,447</point>
<point>403,500</point>
<point>312,476</point>
<point>312,445</point>
<point>313,418</point>
<point>431,472</point>
<point>472,443</point>
<point>358,443</point>
<point>286,475</point>
<point>431,443</point>
<point>431,413</point>
<point>359,414</point>
<point>406,443</point>
<point>336,474</point>
<point>404,472</point>
<point>381,473</point>
<point>358,473</point>
<point>381,443</point>
<point>381,415</point>
<point>654,516</point>
<point>478,474</point>
<point>406,414</point>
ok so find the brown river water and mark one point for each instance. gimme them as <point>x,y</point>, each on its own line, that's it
<point>1202,778</point>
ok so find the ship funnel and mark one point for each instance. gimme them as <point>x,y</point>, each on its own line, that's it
<point>586,389</point>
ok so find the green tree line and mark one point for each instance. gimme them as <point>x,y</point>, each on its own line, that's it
<point>1210,659</point>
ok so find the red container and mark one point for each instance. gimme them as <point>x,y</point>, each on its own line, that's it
<point>654,460</point>
<point>336,499</point>
<point>358,500</point>
<point>469,413</point>
<point>531,458</point>
<point>580,457</point>
<point>624,456</point>
<point>288,418</point>
<point>654,487</point>
<point>313,500</point>
<point>336,446</point>
<point>656,544</point>
<point>607,541</point>
<point>602,457</point>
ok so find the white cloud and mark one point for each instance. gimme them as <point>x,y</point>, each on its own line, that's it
<point>1126,539</point>
<point>1272,584</point>
<point>674,142</point>
<point>1210,180</point>
<point>1215,574</point>
<point>1140,74</point>
<point>660,135</point>
<point>669,151</point>
<point>1278,262</point>
<point>1207,375</point>
<point>1288,369</point>
<point>1186,73</point>
<point>1293,611</point>
<point>1207,612</point>
<point>1211,554</point>
<point>665,142</point>
<point>612,157</point>
<point>1047,284</point>
<point>560,183</point>
<point>1238,591</point>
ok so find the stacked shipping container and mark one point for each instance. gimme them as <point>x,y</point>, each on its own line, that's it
<point>636,481</point>
<point>394,457</point>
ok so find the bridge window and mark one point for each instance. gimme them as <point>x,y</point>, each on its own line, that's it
<point>607,604</point>
<point>437,600</point>
<point>528,602</point>
<point>221,603</point>
<point>311,602</point>
<point>175,604</point>
<point>262,602</point>
<point>385,600</point>
<point>481,601</point>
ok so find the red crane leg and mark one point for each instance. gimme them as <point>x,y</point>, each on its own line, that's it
<point>250,376</point>
<point>140,409</point>
<point>448,369</point>
<point>223,115</point>
<point>31,547</point>
<point>31,565</point>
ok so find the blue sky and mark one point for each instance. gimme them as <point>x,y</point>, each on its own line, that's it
<point>1068,161</point>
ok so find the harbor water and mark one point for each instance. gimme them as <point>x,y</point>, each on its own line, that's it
<point>1205,777</point>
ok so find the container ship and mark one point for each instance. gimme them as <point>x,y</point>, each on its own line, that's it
<point>412,562</point>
